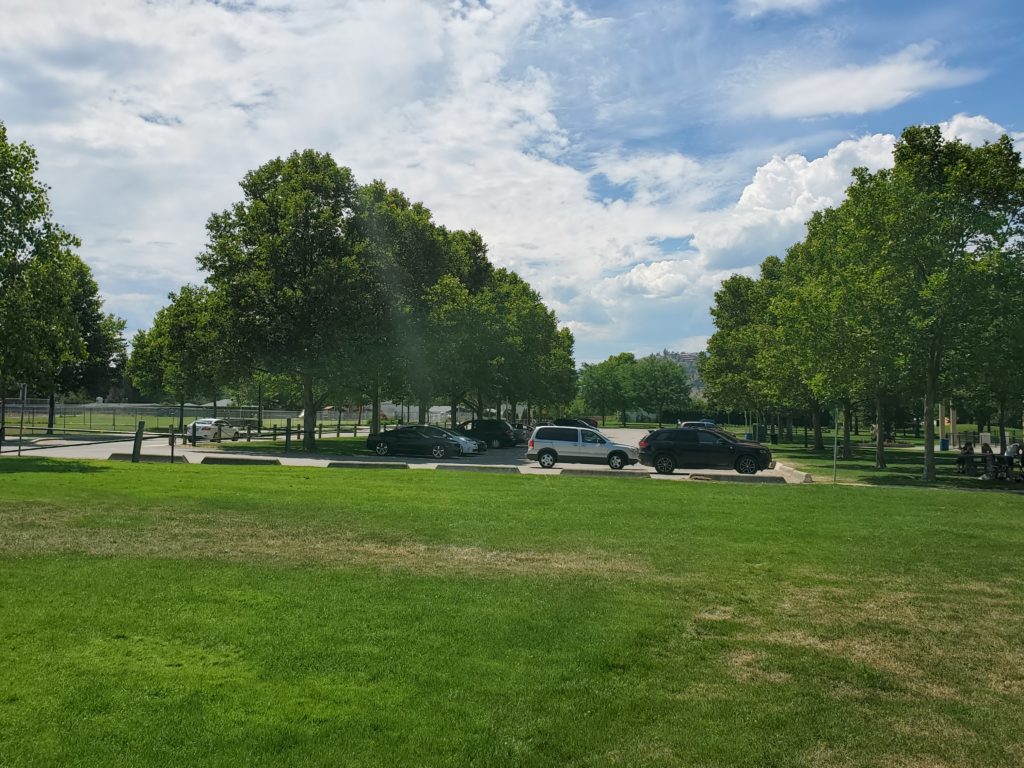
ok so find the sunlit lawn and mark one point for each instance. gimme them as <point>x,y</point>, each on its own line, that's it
<point>191,615</point>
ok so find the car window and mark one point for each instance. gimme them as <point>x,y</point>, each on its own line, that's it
<point>560,434</point>
<point>684,437</point>
<point>709,438</point>
<point>591,437</point>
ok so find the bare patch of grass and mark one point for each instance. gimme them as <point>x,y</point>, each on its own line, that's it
<point>237,539</point>
<point>747,666</point>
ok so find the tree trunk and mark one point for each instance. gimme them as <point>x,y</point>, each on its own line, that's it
<point>659,417</point>
<point>879,435</point>
<point>181,417</point>
<point>309,407</point>
<point>375,410</point>
<point>1002,428</point>
<point>215,404</point>
<point>931,384</point>
<point>3,413</point>
<point>479,404</point>
<point>51,412</point>
<point>819,441</point>
<point>847,443</point>
<point>513,406</point>
<point>455,410</point>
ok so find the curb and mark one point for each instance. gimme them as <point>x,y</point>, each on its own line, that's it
<point>367,465</point>
<point>602,473</point>
<point>239,461</point>
<point>749,479</point>
<point>492,469</point>
<point>149,458</point>
<point>793,475</point>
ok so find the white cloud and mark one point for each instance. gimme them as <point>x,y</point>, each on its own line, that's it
<point>852,89</point>
<point>147,115</point>
<point>754,8</point>
<point>977,129</point>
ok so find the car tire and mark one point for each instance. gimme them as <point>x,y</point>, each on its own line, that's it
<point>382,449</point>
<point>746,465</point>
<point>438,451</point>
<point>547,458</point>
<point>664,464</point>
<point>234,437</point>
<point>495,442</point>
<point>617,460</point>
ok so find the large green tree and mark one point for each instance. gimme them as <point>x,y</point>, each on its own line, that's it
<point>285,269</point>
<point>41,328</point>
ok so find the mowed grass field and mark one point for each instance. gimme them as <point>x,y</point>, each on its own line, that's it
<point>189,615</point>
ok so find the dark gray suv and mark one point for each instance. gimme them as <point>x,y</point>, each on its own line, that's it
<point>691,448</point>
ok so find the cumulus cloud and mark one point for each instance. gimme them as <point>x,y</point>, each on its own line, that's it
<point>853,89</point>
<point>977,129</point>
<point>147,115</point>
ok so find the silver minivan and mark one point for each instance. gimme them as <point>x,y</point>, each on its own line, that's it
<point>549,445</point>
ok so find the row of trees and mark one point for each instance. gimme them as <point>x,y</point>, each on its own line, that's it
<point>54,335</point>
<point>654,384</point>
<point>348,291</point>
<point>911,290</point>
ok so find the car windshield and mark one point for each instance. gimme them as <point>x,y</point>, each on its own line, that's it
<point>724,435</point>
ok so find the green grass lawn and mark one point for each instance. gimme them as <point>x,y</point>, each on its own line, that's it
<point>191,615</point>
<point>904,467</point>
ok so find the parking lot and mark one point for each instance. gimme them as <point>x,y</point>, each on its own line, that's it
<point>505,460</point>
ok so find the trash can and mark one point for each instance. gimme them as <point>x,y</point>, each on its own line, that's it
<point>943,443</point>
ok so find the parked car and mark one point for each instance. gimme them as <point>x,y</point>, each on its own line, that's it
<point>419,441</point>
<point>470,445</point>
<point>699,424</point>
<point>212,429</point>
<point>584,423</point>
<point>549,445</point>
<point>497,433</point>
<point>695,448</point>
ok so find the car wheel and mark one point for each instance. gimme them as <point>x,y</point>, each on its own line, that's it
<point>746,465</point>
<point>547,459</point>
<point>438,452</point>
<point>382,449</point>
<point>617,461</point>
<point>664,464</point>
<point>495,442</point>
<point>234,436</point>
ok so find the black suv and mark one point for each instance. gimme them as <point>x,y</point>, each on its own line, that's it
<point>690,448</point>
<point>497,433</point>
<point>585,423</point>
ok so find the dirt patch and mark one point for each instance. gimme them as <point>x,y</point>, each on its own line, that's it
<point>718,613</point>
<point>164,534</point>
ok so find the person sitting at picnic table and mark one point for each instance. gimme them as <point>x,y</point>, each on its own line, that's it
<point>1013,452</point>
<point>966,457</point>
<point>989,461</point>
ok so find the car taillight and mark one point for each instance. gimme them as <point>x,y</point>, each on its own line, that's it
<point>531,442</point>
<point>643,442</point>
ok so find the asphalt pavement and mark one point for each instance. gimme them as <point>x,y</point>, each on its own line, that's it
<point>506,460</point>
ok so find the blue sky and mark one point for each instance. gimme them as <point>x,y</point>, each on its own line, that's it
<point>624,156</point>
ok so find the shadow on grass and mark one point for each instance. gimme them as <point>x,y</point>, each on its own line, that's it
<point>12,465</point>
<point>904,468</point>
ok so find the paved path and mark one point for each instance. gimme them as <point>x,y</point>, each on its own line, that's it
<point>504,459</point>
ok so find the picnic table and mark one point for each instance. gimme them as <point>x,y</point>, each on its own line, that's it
<point>995,466</point>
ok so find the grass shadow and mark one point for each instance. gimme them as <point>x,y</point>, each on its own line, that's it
<point>12,465</point>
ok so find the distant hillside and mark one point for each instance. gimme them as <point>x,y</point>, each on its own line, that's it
<point>689,362</point>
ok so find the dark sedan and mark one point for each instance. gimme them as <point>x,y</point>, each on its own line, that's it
<point>415,441</point>
<point>692,448</point>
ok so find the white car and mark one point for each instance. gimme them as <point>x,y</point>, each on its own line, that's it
<point>549,445</point>
<point>212,429</point>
